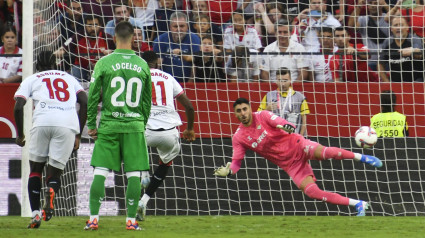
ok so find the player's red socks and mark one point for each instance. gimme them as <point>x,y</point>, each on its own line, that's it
<point>312,191</point>
<point>336,153</point>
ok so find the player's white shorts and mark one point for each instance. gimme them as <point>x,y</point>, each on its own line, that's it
<point>53,142</point>
<point>166,142</point>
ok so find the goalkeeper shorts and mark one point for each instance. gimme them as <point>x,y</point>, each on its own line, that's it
<point>112,149</point>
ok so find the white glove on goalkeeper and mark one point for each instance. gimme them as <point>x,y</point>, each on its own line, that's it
<point>223,171</point>
<point>287,127</point>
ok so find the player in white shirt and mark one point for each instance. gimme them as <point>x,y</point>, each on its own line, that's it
<point>238,34</point>
<point>297,64</point>
<point>56,128</point>
<point>10,67</point>
<point>312,19</point>
<point>161,131</point>
<point>319,64</point>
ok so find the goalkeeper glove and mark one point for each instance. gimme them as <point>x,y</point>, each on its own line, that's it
<point>287,127</point>
<point>223,171</point>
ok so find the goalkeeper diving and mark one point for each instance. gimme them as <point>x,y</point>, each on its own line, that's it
<point>272,137</point>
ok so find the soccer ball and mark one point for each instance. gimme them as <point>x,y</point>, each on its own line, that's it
<point>366,137</point>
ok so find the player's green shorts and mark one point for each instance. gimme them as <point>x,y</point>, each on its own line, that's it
<point>112,149</point>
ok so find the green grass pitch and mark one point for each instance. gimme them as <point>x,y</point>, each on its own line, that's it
<point>223,226</point>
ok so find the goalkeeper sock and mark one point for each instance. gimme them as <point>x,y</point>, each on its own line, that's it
<point>157,178</point>
<point>34,188</point>
<point>97,194</point>
<point>132,195</point>
<point>353,202</point>
<point>313,191</point>
<point>336,153</point>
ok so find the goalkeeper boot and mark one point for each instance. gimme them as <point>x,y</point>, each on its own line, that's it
<point>141,211</point>
<point>361,208</point>
<point>48,207</point>
<point>133,226</point>
<point>372,160</point>
<point>35,221</point>
<point>91,225</point>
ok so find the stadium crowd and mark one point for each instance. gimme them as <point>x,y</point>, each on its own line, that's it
<point>234,40</point>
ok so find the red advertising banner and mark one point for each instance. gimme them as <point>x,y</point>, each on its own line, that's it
<point>336,109</point>
<point>7,123</point>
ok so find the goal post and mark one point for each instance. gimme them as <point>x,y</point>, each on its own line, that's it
<point>27,70</point>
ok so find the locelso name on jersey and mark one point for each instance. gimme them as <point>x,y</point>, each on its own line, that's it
<point>129,66</point>
<point>128,114</point>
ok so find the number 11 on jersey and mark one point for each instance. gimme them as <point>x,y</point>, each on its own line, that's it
<point>163,94</point>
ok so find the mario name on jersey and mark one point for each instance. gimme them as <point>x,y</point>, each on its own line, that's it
<point>159,74</point>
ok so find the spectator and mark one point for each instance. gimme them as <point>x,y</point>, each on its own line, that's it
<point>10,67</point>
<point>162,18</point>
<point>206,63</point>
<point>286,102</point>
<point>265,20</point>
<point>238,34</point>
<point>203,27</point>
<point>71,28</point>
<point>102,8</point>
<point>13,17</point>
<point>373,27</point>
<point>199,7</point>
<point>312,19</point>
<point>144,11</point>
<point>122,13</point>
<point>389,122</point>
<point>139,46</point>
<point>416,17</point>
<point>179,37</point>
<point>354,66</point>
<point>221,11</point>
<point>241,67</point>
<point>297,64</point>
<point>90,48</point>
<point>291,8</point>
<point>72,22</point>
<point>319,66</point>
<point>402,54</point>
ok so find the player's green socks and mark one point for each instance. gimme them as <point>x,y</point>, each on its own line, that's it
<point>97,194</point>
<point>132,195</point>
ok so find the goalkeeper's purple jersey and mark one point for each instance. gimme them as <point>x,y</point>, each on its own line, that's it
<point>276,145</point>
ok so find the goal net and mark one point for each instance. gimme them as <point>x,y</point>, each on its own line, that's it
<point>337,110</point>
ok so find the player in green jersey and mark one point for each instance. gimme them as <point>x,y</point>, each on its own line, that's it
<point>122,82</point>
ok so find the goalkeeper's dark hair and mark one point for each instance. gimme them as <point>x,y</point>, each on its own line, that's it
<point>388,101</point>
<point>124,31</point>
<point>151,58</point>
<point>240,101</point>
<point>46,60</point>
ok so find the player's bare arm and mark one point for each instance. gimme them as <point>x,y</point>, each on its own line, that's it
<point>19,119</point>
<point>82,116</point>
<point>189,133</point>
